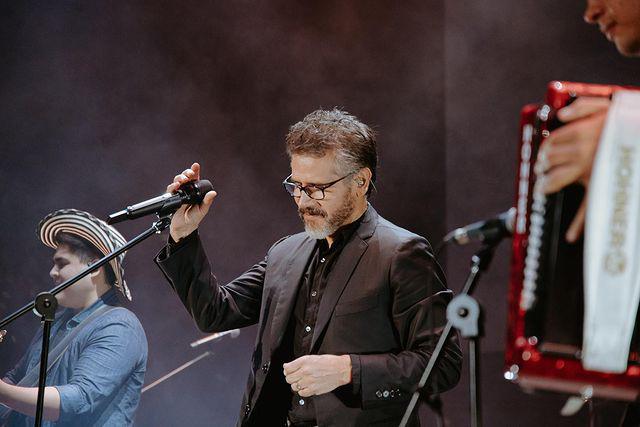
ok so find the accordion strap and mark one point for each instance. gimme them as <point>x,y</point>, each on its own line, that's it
<point>612,240</point>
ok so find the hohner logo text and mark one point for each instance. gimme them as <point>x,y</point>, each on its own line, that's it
<point>615,260</point>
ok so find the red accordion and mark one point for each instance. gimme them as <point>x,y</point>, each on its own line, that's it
<point>545,324</point>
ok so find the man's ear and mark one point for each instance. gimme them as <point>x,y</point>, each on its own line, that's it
<point>363,180</point>
<point>97,272</point>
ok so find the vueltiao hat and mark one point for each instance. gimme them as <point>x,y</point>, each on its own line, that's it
<point>98,233</point>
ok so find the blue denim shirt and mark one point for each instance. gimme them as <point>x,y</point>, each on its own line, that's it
<point>100,375</point>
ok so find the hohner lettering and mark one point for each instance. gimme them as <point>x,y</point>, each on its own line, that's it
<point>612,252</point>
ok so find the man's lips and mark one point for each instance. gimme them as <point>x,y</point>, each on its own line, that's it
<point>608,30</point>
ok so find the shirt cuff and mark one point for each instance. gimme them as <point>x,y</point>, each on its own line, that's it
<point>173,246</point>
<point>72,402</point>
<point>355,374</point>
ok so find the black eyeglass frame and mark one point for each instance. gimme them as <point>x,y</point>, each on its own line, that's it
<point>306,188</point>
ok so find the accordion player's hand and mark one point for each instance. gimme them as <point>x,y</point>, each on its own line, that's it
<point>567,155</point>
<point>577,224</point>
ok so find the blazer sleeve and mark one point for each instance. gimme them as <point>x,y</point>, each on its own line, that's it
<point>213,306</point>
<point>418,310</point>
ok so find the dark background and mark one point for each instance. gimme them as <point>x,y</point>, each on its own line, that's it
<point>102,103</point>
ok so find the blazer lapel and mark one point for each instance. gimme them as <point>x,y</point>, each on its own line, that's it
<point>342,271</point>
<point>290,283</point>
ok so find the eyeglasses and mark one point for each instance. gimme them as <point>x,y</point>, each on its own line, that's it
<point>314,191</point>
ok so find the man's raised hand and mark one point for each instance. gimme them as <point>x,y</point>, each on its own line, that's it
<point>188,217</point>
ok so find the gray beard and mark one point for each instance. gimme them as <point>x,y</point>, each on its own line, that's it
<point>332,223</point>
<point>319,234</point>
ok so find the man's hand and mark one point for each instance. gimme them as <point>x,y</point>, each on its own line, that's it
<point>313,375</point>
<point>568,153</point>
<point>188,217</point>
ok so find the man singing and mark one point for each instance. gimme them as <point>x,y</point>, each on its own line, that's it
<point>98,351</point>
<point>348,312</point>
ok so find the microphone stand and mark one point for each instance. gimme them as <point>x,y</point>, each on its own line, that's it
<point>463,313</point>
<point>46,303</point>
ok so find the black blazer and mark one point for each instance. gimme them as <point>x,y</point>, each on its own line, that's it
<point>384,304</point>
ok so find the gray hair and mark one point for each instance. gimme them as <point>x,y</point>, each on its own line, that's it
<point>323,131</point>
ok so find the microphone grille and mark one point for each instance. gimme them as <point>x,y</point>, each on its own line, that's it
<point>204,186</point>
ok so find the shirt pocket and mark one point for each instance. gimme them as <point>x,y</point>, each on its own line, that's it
<point>357,305</point>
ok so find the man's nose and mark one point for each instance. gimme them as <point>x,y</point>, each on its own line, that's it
<point>593,11</point>
<point>304,200</point>
<point>53,273</point>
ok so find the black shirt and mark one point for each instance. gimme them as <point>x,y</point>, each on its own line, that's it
<point>301,326</point>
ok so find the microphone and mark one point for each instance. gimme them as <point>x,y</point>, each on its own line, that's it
<point>190,193</point>
<point>494,228</point>
<point>233,332</point>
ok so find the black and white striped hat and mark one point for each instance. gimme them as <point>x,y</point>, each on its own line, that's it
<point>102,236</point>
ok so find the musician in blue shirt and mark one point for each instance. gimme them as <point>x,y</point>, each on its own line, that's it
<point>98,351</point>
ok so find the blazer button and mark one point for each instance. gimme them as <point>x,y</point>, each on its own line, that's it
<point>378,394</point>
<point>247,409</point>
<point>265,367</point>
